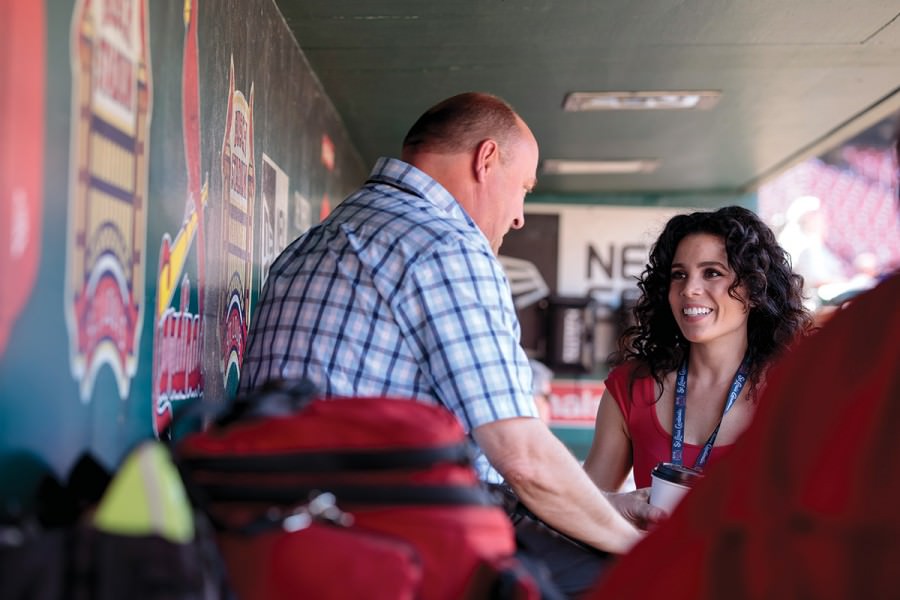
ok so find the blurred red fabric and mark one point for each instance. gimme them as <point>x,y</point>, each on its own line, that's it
<point>805,506</point>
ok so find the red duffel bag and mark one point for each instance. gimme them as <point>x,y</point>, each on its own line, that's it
<point>334,498</point>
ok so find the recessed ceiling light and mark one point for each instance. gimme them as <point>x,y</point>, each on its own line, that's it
<point>558,166</point>
<point>664,100</point>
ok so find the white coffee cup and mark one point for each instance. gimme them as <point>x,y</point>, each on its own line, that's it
<point>669,484</point>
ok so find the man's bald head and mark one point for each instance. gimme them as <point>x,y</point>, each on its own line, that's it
<point>458,124</point>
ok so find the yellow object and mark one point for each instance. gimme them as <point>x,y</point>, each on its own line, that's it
<point>147,497</point>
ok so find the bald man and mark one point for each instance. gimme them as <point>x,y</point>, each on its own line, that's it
<point>399,293</point>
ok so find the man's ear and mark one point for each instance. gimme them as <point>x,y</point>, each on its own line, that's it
<point>487,155</point>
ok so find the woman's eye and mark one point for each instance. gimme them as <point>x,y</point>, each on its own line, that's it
<point>712,273</point>
<point>677,275</point>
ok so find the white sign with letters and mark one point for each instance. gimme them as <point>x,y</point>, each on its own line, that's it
<point>603,249</point>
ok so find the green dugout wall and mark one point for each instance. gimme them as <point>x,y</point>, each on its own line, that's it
<point>156,157</point>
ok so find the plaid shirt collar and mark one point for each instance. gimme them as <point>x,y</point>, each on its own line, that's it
<point>404,176</point>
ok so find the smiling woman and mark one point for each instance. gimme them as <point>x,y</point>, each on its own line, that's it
<point>699,293</point>
<point>718,304</point>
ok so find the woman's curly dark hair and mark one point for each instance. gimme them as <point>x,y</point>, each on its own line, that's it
<point>774,293</point>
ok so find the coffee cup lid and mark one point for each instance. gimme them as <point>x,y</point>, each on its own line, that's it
<point>677,473</point>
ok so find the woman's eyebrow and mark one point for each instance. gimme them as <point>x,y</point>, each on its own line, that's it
<point>706,263</point>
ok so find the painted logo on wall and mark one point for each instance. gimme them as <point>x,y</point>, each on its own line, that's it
<point>178,333</point>
<point>274,185</point>
<point>238,190</point>
<point>111,108</point>
<point>22,166</point>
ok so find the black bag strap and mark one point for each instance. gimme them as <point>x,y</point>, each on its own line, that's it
<point>314,461</point>
<point>320,508</point>
<point>282,504</point>
<point>276,398</point>
<point>452,495</point>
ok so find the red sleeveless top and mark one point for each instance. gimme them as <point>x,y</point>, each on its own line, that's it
<point>650,443</point>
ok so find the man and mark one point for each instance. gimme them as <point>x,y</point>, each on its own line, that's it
<point>399,293</point>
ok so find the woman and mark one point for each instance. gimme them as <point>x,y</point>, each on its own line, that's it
<point>718,304</point>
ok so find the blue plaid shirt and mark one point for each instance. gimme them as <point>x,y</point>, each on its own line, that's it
<point>397,293</point>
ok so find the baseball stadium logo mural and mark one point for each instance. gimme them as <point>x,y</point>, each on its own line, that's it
<point>178,341</point>
<point>239,196</point>
<point>111,108</point>
<point>22,169</point>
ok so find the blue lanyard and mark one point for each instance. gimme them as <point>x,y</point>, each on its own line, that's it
<point>681,402</point>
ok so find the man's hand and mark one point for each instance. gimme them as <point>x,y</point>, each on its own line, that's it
<point>636,508</point>
<point>550,482</point>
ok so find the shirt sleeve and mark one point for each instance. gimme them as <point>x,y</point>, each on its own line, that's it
<point>457,315</point>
